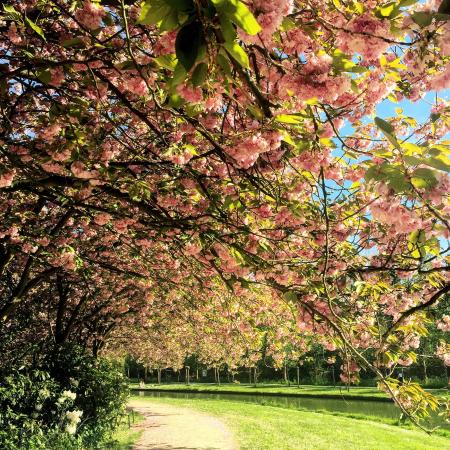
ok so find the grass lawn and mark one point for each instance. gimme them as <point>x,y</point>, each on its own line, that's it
<point>303,390</point>
<point>124,437</point>
<point>271,428</point>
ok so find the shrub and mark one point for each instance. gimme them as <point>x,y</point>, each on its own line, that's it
<point>31,416</point>
<point>73,401</point>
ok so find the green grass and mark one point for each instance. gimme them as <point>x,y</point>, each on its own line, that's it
<point>304,390</point>
<point>124,437</point>
<point>273,428</point>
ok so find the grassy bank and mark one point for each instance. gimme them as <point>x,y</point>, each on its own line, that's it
<point>363,393</point>
<point>124,437</point>
<point>271,428</point>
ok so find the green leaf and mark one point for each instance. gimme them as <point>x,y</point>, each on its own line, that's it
<point>167,61</point>
<point>12,13</point>
<point>227,28</point>
<point>388,130</point>
<point>407,2</point>
<point>290,296</point>
<point>389,174</point>
<point>153,11</point>
<point>45,76</point>
<point>178,76</point>
<point>238,53</point>
<point>290,118</point>
<point>35,28</point>
<point>412,160</point>
<point>441,163</point>
<point>224,64</point>
<point>176,101</point>
<point>423,178</point>
<point>423,19</point>
<point>387,9</point>
<point>75,42</point>
<point>239,14</point>
<point>187,44</point>
<point>415,244</point>
<point>199,74</point>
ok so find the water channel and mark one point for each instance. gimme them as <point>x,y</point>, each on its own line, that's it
<point>382,409</point>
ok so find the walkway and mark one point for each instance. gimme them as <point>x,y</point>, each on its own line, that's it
<point>168,427</point>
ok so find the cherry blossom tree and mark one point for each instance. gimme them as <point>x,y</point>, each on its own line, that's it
<point>175,143</point>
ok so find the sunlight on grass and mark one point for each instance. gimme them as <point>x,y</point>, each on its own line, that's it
<point>271,428</point>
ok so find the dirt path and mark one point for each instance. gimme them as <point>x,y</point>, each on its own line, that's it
<point>168,427</point>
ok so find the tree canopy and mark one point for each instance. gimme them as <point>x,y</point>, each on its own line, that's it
<point>159,158</point>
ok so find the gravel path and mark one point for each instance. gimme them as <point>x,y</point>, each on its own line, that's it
<point>168,427</point>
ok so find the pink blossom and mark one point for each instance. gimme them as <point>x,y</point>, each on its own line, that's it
<point>90,15</point>
<point>12,34</point>
<point>79,170</point>
<point>102,219</point>
<point>6,178</point>
<point>364,35</point>
<point>49,132</point>
<point>136,85</point>
<point>190,94</point>
<point>57,76</point>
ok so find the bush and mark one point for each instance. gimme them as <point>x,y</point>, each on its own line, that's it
<point>101,391</point>
<point>73,401</point>
<point>30,415</point>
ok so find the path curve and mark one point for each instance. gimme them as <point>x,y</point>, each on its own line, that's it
<point>168,427</point>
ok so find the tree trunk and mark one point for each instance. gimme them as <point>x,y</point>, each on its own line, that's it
<point>425,373</point>
<point>249,375</point>
<point>159,375</point>
<point>298,376</point>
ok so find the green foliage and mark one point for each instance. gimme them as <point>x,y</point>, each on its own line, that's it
<point>101,390</point>
<point>188,43</point>
<point>30,415</point>
<point>37,407</point>
<point>239,14</point>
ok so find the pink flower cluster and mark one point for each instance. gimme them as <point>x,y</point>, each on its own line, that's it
<point>394,214</point>
<point>136,85</point>
<point>79,170</point>
<point>444,324</point>
<point>102,219</point>
<point>270,15</point>
<point>66,260</point>
<point>6,178</point>
<point>190,94</point>
<point>349,373</point>
<point>13,36</point>
<point>90,15</point>
<point>50,132</point>
<point>57,76</point>
<point>363,35</point>
<point>247,151</point>
<point>443,353</point>
<point>166,43</point>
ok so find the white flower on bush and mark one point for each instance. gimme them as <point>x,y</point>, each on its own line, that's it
<point>44,392</point>
<point>66,395</point>
<point>74,382</point>
<point>73,418</point>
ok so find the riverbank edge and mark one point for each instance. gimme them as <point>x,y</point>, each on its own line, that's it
<point>265,394</point>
